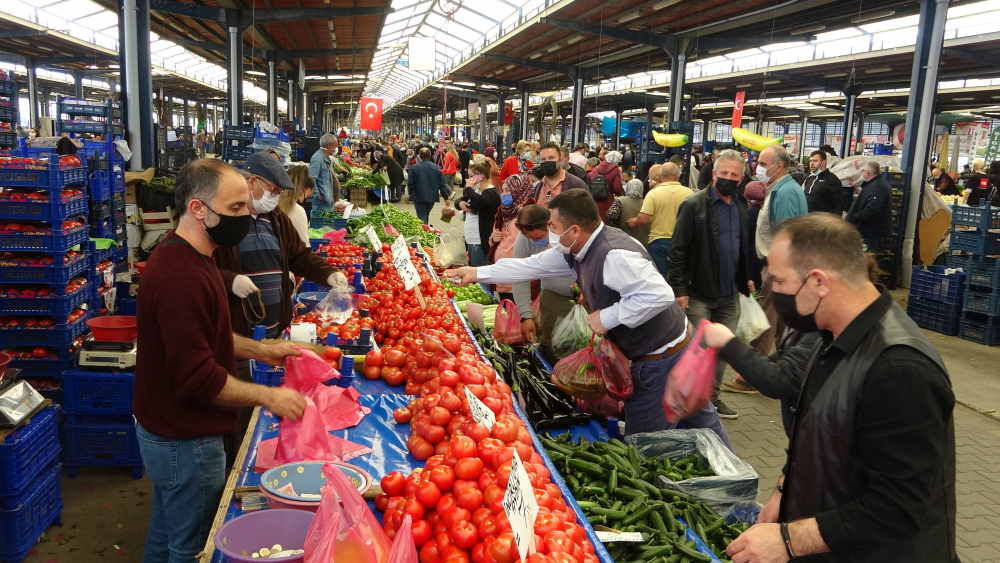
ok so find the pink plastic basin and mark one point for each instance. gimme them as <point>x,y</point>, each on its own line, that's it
<point>116,328</point>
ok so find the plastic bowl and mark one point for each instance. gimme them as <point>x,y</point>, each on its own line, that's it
<point>141,266</point>
<point>239,538</point>
<point>309,299</point>
<point>115,328</point>
<point>306,477</point>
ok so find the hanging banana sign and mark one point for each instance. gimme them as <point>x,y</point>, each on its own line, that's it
<point>670,140</point>
<point>754,141</point>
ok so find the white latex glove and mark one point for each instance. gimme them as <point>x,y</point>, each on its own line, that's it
<point>337,279</point>
<point>243,286</point>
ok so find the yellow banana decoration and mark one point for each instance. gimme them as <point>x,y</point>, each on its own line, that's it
<point>670,140</point>
<point>754,141</point>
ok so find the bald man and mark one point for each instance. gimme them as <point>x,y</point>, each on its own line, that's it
<point>659,211</point>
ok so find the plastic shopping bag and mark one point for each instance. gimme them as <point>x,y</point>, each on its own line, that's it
<point>571,332</point>
<point>692,380</point>
<point>753,321</point>
<point>403,548</point>
<point>443,256</point>
<point>507,323</point>
<point>578,374</point>
<point>337,306</point>
<point>305,439</point>
<point>614,369</point>
<point>345,531</point>
<point>604,406</point>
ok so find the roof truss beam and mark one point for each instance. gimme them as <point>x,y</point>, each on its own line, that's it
<point>247,18</point>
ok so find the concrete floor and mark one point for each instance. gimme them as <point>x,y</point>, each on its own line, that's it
<point>106,512</point>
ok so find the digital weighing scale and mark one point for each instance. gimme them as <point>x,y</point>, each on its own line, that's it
<point>18,400</point>
<point>99,355</point>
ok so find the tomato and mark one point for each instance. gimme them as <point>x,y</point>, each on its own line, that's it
<point>480,515</point>
<point>493,496</point>
<point>470,498</point>
<point>393,358</point>
<point>381,502</point>
<point>331,353</point>
<point>393,483</point>
<point>465,535</point>
<point>476,431</point>
<point>488,448</point>
<point>393,376</point>
<point>446,504</point>
<point>505,431</point>
<point>504,550</point>
<point>557,541</point>
<point>464,447</point>
<point>428,494</point>
<point>402,415</point>
<point>421,532</point>
<point>468,468</point>
<point>440,416</point>
<point>414,509</point>
<point>561,557</point>
<point>374,358</point>
<point>442,476</point>
<point>434,433</point>
<point>422,450</point>
<point>39,352</point>
<point>489,477</point>
<point>429,553</point>
<point>372,372</point>
<point>547,522</point>
<point>456,514</point>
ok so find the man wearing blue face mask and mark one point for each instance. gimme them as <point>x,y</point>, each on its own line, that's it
<point>631,303</point>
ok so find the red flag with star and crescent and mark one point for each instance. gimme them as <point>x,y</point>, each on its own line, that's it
<point>371,113</point>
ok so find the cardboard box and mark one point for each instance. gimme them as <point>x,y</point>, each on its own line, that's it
<point>134,235</point>
<point>131,213</point>
<point>131,191</point>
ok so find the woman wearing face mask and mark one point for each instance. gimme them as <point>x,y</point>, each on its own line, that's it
<point>480,202</point>
<point>520,163</point>
<point>290,201</point>
<point>627,207</point>
<point>515,194</point>
<point>554,294</point>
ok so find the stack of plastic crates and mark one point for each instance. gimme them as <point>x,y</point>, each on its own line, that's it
<point>236,143</point>
<point>44,281</point>
<point>8,112</point>
<point>890,248</point>
<point>975,247</point>
<point>83,116</point>
<point>99,426</point>
<point>935,301</point>
<point>103,264</point>
<point>30,498</point>
<point>107,192</point>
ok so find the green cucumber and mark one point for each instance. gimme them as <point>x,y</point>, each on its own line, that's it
<point>591,469</point>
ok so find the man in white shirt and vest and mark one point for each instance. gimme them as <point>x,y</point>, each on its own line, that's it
<point>631,302</point>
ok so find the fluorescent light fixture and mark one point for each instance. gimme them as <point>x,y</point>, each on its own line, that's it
<point>508,67</point>
<point>112,66</point>
<point>255,72</point>
<point>465,83</point>
<point>629,16</point>
<point>878,70</point>
<point>768,82</point>
<point>553,48</point>
<point>863,17</point>
<point>836,74</point>
<point>807,29</point>
<point>574,39</point>
<point>664,4</point>
<point>745,85</point>
<point>962,99</point>
<point>719,88</point>
<point>535,56</point>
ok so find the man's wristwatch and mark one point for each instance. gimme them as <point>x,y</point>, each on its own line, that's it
<point>780,488</point>
<point>788,541</point>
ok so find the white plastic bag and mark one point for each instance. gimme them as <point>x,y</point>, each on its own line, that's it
<point>443,256</point>
<point>753,321</point>
<point>571,333</point>
<point>337,306</point>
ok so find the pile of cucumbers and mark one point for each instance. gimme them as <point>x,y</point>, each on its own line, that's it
<point>615,485</point>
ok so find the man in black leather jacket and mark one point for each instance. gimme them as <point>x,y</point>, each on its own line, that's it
<point>824,190</point>
<point>870,475</point>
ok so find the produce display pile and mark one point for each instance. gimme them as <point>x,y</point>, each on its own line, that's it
<point>359,177</point>
<point>472,292</point>
<point>616,487</point>
<point>38,228</point>
<point>386,215</point>
<point>27,195</point>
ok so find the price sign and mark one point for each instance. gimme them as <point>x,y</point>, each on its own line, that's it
<point>347,210</point>
<point>401,260</point>
<point>480,412</point>
<point>521,509</point>
<point>608,537</point>
<point>372,237</point>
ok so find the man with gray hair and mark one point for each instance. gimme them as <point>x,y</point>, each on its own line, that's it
<point>327,187</point>
<point>659,211</point>
<point>871,211</point>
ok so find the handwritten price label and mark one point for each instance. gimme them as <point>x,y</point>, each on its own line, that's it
<point>480,412</point>
<point>401,260</point>
<point>372,237</point>
<point>399,247</point>
<point>608,537</point>
<point>521,509</point>
<point>347,210</point>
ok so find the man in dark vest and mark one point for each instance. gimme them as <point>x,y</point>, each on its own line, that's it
<point>870,475</point>
<point>630,301</point>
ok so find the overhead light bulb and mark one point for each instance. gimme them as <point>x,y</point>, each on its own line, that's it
<point>574,39</point>
<point>535,56</point>
<point>664,4</point>
<point>627,17</point>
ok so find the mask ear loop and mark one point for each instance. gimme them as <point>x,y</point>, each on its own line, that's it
<point>263,310</point>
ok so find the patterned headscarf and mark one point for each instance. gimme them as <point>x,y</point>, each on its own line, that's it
<point>614,157</point>
<point>632,189</point>
<point>521,189</point>
<point>755,192</point>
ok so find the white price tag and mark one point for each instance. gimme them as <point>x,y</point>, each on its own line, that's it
<point>480,412</point>
<point>373,239</point>
<point>608,537</point>
<point>401,261</point>
<point>347,210</point>
<point>521,508</point>
<point>399,247</point>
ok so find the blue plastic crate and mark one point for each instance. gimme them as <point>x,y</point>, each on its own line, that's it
<point>94,127</point>
<point>97,392</point>
<point>983,217</point>
<point>58,273</point>
<point>932,315</point>
<point>984,302</point>
<point>316,243</point>
<point>26,453</point>
<point>930,282</point>
<point>58,242</point>
<point>56,210</point>
<point>49,366</point>
<point>72,106</point>
<point>236,153</point>
<point>8,114</point>
<point>359,347</point>
<point>111,443</point>
<point>981,329</point>
<point>310,286</point>
<point>100,210</point>
<point>8,139</point>
<point>984,273</point>
<point>8,88</point>
<point>959,261</point>
<point>40,507</point>
<point>117,180</point>
<point>102,229</point>
<point>99,187</point>
<point>53,176</point>
<point>231,132</point>
<point>977,242</point>
<point>59,337</point>
<point>53,306</point>
<point>265,374</point>
<point>126,306</point>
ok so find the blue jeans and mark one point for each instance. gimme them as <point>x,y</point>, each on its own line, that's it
<point>477,256</point>
<point>423,209</point>
<point>644,409</point>
<point>188,477</point>
<point>320,205</point>
<point>725,311</point>
<point>659,251</point>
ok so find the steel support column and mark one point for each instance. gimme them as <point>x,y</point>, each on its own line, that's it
<point>78,83</point>
<point>112,86</point>
<point>618,128</point>
<point>859,144</point>
<point>482,123</point>
<point>644,147</point>
<point>525,101</point>
<point>562,130</point>
<point>32,95</point>
<point>678,62</point>
<point>919,112</point>
<point>46,94</point>
<point>291,100</point>
<point>272,91</point>
<point>802,137</point>
<point>576,127</point>
<point>187,118</point>
<point>845,138</point>
<point>234,45</point>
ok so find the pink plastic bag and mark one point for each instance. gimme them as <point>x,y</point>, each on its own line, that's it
<point>614,369</point>
<point>344,532</point>
<point>341,450</point>
<point>403,548</point>
<point>507,325</point>
<point>692,380</point>
<point>603,406</point>
<point>333,237</point>
<point>578,374</point>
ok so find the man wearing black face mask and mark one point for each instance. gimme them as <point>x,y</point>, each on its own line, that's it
<point>870,474</point>
<point>707,255</point>
<point>555,179</point>
<point>186,395</point>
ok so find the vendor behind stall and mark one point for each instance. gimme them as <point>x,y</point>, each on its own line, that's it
<point>185,396</point>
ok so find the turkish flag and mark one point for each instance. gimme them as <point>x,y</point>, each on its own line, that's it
<point>508,114</point>
<point>371,113</point>
<point>737,109</point>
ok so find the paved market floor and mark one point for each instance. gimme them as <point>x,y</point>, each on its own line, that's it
<point>106,513</point>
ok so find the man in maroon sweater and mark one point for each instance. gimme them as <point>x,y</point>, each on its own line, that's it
<point>185,396</point>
